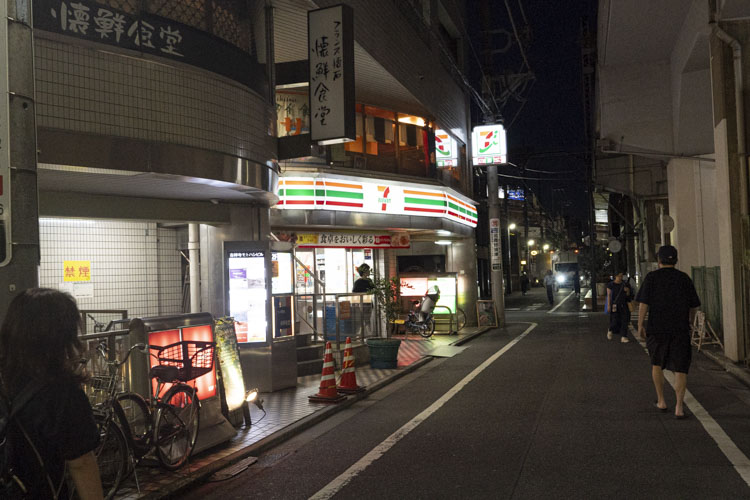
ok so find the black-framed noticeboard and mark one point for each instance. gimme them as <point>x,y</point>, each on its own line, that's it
<point>486,313</point>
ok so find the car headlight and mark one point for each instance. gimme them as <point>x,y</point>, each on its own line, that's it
<point>560,278</point>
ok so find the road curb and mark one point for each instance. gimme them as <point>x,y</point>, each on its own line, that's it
<point>295,428</point>
<point>284,434</point>
<point>741,374</point>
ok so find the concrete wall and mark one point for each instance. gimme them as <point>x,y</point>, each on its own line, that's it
<point>692,205</point>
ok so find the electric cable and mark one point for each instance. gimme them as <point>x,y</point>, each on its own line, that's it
<point>515,32</point>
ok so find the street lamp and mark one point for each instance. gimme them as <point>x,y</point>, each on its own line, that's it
<point>512,226</point>
<point>530,243</point>
<point>545,247</point>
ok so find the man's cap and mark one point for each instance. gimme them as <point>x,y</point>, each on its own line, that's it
<point>667,254</point>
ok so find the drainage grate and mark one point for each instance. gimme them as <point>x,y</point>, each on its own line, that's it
<point>232,470</point>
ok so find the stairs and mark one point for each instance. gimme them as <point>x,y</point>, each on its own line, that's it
<point>309,356</point>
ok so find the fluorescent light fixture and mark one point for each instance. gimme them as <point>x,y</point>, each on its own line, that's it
<point>443,232</point>
<point>443,242</point>
<point>523,262</point>
<point>340,140</point>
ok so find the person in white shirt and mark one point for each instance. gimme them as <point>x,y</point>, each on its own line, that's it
<point>549,283</point>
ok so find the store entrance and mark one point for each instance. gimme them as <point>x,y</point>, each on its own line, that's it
<point>325,272</point>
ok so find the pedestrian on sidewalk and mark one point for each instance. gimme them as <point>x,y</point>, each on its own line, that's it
<point>619,294</point>
<point>549,283</point>
<point>577,283</point>
<point>670,299</point>
<point>40,351</point>
<point>524,283</point>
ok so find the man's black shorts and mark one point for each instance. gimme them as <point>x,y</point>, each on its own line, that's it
<point>671,351</point>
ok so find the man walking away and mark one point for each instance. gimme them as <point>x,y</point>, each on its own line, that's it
<point>549,283</point>
<point>618,296</point>
<point>669,297</point>
<point>524,283</point>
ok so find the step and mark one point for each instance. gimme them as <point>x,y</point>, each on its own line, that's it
<point>304,339</point>
<point>312,367</point>
<point>311,352</point>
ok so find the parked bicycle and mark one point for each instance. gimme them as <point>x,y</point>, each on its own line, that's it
<point>131,427</point>
<point>420,319</point>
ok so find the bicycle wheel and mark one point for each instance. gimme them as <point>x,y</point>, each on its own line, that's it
<point>111,456</point>
<point>429,328</point>
<point>460,319</point>
<point>176,426</point>
<point>133,412</point>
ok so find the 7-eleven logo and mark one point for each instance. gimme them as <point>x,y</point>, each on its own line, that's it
<point>442,144</point>
<point>385,197</point>
<point>489,139</point>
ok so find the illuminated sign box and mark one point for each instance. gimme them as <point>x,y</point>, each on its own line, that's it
<point>489,145</point>
<point>386,197</point>
<point>446,149</point>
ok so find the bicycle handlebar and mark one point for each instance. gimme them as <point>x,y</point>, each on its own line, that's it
<point>102,349</point>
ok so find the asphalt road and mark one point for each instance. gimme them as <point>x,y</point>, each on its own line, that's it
<point>558,413</point>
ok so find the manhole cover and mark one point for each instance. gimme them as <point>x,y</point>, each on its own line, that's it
<point>232,470</point>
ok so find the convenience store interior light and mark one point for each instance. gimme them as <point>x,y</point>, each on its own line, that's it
<point>443,242</point>
<point>443,232</point>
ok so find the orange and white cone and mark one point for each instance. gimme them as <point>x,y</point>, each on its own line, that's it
<point>327,392</point>
<point>348,382</point>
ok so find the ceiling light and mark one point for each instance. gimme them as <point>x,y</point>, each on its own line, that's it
<point>443,232</point>
<point>443,242</point>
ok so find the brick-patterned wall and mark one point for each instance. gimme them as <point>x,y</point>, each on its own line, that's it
<point>85,90</point>
<point>134,265</point>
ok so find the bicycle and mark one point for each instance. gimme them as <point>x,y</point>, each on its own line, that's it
<point>167,425</point>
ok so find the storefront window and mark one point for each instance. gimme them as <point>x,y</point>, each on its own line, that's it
<point>281,273</point>
<point>292,112</point>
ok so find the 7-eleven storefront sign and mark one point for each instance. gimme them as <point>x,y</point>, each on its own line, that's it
<point>388,198</point>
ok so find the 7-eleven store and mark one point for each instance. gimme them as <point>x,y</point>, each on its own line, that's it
<point>340,221</point>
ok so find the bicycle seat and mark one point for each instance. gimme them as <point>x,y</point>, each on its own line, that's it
<point>165,373</point>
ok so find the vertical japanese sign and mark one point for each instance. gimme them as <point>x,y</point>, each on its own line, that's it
<point>5,233</point>
<point>331,58</point>
<point>496,258</point>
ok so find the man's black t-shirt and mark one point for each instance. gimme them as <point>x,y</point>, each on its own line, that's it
<point>670,295</point>
<point>61,425</point>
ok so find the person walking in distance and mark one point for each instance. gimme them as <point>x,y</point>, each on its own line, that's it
<point>618,295</point>
<point>524,283</point>
<point>40,351</point>
<point>670,299</point>
<point>549,284</point>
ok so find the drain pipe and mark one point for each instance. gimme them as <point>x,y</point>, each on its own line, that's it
<point>740,108</point>
<point>195,270</point>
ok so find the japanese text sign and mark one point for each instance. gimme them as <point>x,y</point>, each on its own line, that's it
<point>331,59</point>
<point>489,145</point>
<point>147,33</point>
<point>76,270</point>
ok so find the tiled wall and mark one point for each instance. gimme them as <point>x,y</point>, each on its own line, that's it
<point>86,90</point>
<point>134,265</point>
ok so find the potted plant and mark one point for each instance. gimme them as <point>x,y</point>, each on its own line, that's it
<point>384,351</point>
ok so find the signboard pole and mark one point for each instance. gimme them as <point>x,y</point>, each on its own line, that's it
<point>496,262</point>
<point>21,267</point>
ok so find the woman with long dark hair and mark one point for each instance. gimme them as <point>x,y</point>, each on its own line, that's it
<point>39,347</point>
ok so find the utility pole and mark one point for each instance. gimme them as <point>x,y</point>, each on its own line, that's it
<point>496,256</point>
<point>20,216</point>
<point>588,60</point>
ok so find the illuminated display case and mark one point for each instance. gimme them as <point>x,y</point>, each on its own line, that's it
<point>247,291</point>
<point>415,285</point>
<point>282,287</point>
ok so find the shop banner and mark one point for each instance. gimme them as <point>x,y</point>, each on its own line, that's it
<point>148,34</point>
<point>353,240</point>
<point>330,42</point>
<point>384,197</point>
<point>495,257</point>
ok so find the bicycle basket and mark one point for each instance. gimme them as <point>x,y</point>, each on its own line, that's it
<point>192,358</point>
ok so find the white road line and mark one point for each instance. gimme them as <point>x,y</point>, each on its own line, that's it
<point>349,474</point>
<point>739,460</point>
<point>561,303</point>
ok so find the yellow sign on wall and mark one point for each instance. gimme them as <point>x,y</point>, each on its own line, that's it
<point>77,270</point>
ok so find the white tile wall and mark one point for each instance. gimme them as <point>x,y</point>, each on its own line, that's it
<point>134,265</point>
<point>82,89</point>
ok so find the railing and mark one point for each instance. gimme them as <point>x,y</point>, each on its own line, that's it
<point>353,315</point>
<point>87,314</point>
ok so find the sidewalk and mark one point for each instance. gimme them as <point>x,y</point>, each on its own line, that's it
<point>288,412</point>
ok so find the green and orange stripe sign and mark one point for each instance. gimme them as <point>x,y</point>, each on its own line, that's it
<point>461,210</point>
<point>425,202</point>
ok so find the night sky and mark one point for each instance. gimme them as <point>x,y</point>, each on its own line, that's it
<point>547,134</point>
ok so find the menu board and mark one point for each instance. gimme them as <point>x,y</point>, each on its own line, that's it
<point>281,272</point>
<point>229,362</point>
<point>247,295</point>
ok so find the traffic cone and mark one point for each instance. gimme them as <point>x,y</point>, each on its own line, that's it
<point>348,382</point>
<point>327,392</point>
